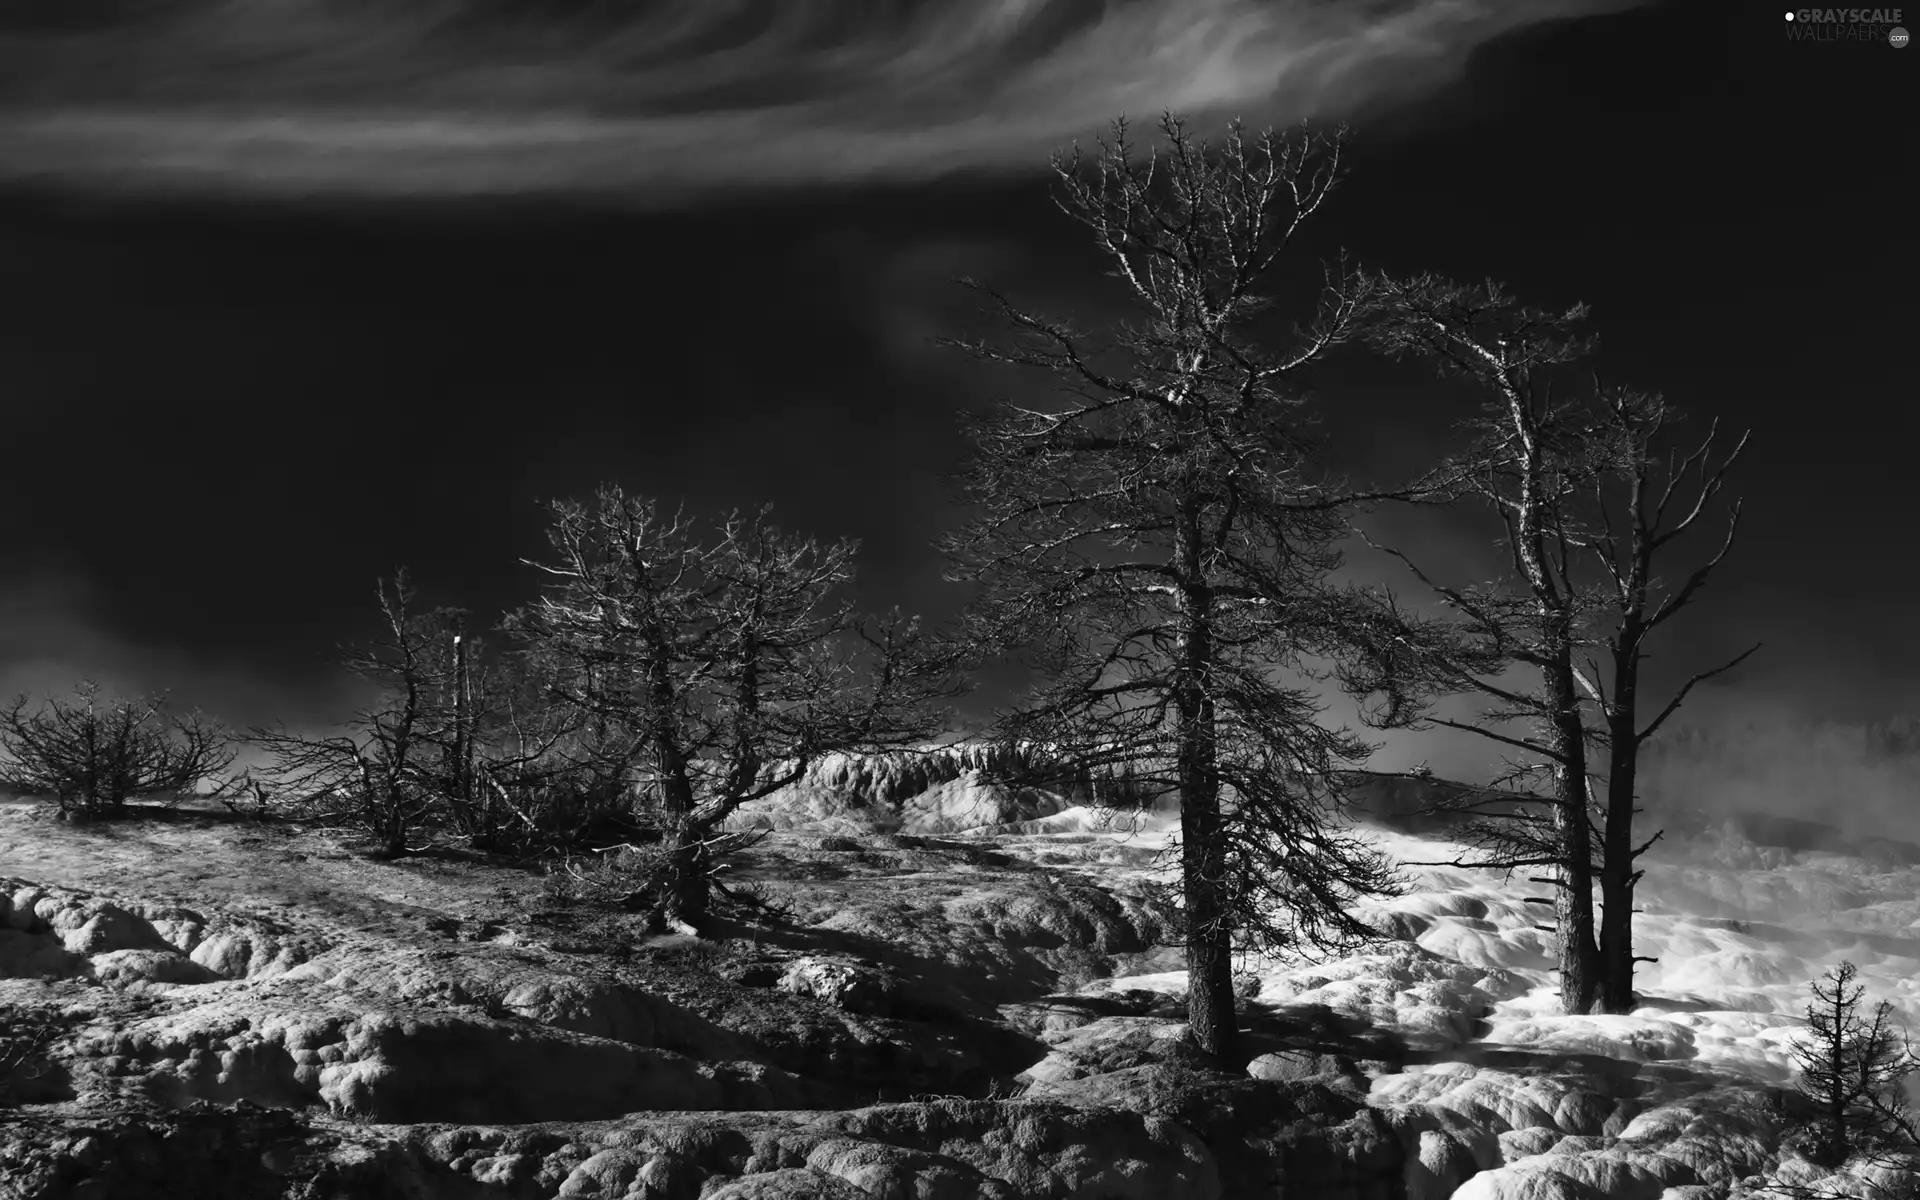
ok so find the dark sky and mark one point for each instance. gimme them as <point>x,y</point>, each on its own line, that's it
<point>244,371</point>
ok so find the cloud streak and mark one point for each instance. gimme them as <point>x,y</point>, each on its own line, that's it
<point>521,96</point>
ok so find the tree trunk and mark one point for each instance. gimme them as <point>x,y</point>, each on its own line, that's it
<point>477,808</point>
<point>1616,869</point>
<point>1573,905</point>
<point>396,831</point>
<point>1209,943</point>
<point>685,891</point>
<point>1210,999</point>
<point>1209,934</point>
<point>1838,1146</point>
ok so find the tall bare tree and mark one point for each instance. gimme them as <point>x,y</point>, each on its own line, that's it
<point>1589,496</point>
<point>732,662</point>
<point>1157,538</point>
<point>1645,497</point>
<point>1529,463</point>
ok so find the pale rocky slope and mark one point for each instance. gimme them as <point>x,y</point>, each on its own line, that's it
<point>973,997</point>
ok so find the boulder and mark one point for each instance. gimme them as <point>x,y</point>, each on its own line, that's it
<point>1516,1144</point>
<point>854,986</point>
<point>21,914</point>
<point>1438,1166</point>
<point>99,927</point>
<point>881,1170</point>
<point>242,953</point>
<point>606,1174</point>
<point>124,968</point>
<point>799,1183</point>
<point>1300,1066</point>
<point>1111,1044</point>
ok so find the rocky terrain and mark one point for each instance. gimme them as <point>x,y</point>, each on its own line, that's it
<point>972,994</point>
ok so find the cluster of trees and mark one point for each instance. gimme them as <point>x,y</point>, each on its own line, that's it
<point>668,674</point>
<point>1161,543</point>
<point>1158,540</point>
<point>1588,492</point>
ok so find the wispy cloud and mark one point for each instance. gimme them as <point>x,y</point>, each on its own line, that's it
<point>517,96</point>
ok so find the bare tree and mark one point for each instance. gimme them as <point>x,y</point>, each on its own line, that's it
<point>1157,541</point>
<point>381,773</point>
<point>93,755</point>
<point>515,771</point>
<point>550,778</point>
<point>1591,498</point>
<point>1853,1069</point>
<point>1645,497</point>
<point>1529,463</point>
<point>731,663</point>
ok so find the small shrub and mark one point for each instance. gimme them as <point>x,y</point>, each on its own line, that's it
<point>623,876</point>
<point>24,1038</point>
<point>633,877</point>
<point>93,755</point>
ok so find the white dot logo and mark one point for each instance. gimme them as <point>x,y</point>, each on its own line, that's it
<point>1789,16</point>
<point>1898,38</point>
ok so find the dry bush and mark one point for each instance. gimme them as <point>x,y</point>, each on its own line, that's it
<point>620,876</point>
<point>24,1038</point>
<point>631,876</point>
<point>93,754</point>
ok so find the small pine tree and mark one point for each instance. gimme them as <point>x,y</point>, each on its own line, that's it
<point>1854,1069</point>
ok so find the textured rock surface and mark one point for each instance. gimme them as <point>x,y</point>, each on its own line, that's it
<point>436,1028</point>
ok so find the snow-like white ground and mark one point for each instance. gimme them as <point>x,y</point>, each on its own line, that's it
<point>1742,913</point>
<point>1740,932</point>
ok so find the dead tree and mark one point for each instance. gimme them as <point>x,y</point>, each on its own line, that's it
<point>1528,464</point>
<point>93,755</point>
<point>1156,542</point>
<point>516,772</point>
<point>552,778</point>
<point>1643,499</point>
<point>1590,497</point>
<point>729,663</point>
<point>382,772</point>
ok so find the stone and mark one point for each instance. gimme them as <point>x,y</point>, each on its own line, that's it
<point>853,986</point>
<point>1289,1067</point>
<point>122,968</point>
<point>97,927</point>
<point>799,1183</point>
<point>22,914</point>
